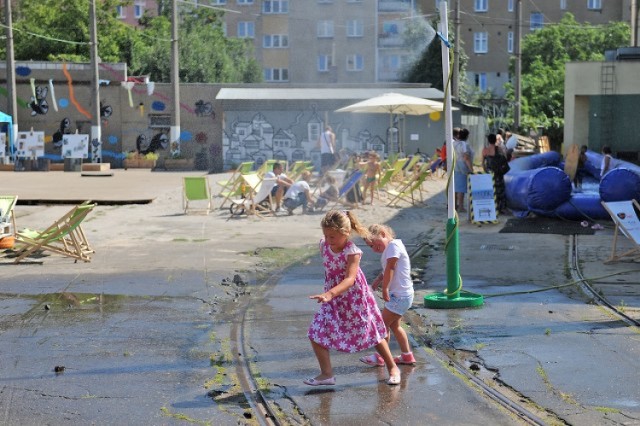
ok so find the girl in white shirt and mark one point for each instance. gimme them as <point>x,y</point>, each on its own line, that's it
<point>397,289</point>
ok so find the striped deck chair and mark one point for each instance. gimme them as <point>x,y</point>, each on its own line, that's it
<point>349,186</point>
<point>65,236</point>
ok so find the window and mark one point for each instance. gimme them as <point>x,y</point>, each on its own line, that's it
<point>563,4</point>
<point>480,42</point>
<point>510,5</point>
<point>355,63</point>
<point>536,21</point>
<point>246,29</point>
<point>481,5</point>
<point>275,41</point>
<point>121,12</point>
<point>510,42</point>
<point>138,9</point>
<point>275,6</point>
<point>355,28</point>
<point>276,74</point>
<point>481,81</point>
<point>390,28</point>
<point>325,29</point>
<point>324,63</point>
<point>245,1</point>
<point>218,2</point>
<point>594,4</point>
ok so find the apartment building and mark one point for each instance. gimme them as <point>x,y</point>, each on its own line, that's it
<point>320,41</point>
<point>488,30</point>
<point>131,13</point>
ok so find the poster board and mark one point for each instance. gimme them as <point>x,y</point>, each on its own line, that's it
<point>30,144</point>
<point>625,217</point>
<point>75,146</point>
<point>482,200</point>
<point>3,144</point>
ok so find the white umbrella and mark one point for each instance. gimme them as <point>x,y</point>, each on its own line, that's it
<point>395,103</point>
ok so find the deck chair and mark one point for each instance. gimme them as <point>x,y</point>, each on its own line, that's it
<point>196,188</point>
<point>410,190</point>
<point>242,169</point>
<point>257,200</point>
<point>297,168</point>
<point>625,217</point>
<point>235,186</point>
<point>7,218</point>
<point>65,236</point>
<point>348,187</point>
<point>267,166</point>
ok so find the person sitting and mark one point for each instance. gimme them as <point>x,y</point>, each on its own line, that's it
<point>283,183</point>
<point>329,194</point>
<point>299,194</point>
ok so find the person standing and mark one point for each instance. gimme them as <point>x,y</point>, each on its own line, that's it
<point>605,166</point>
<point>494,161</point>
<point>462,167</point>
<point>397,289</point>
<point>349,319</point>
<point>327,142</point>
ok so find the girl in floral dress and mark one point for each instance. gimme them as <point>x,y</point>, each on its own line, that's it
<point>349,319</point>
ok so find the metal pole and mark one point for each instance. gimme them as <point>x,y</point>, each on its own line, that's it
<point>634,23</point>
<point>517,83</point>
<point>96,130</point>
<point>174,137</point>
<point>12,103</point>
<point>455,81</point>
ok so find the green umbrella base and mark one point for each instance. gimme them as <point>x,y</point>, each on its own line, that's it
<point>442,301</point>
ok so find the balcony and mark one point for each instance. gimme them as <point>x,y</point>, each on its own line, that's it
<point>390,40</point>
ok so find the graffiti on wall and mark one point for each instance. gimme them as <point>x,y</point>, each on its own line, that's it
<point>38,103</point>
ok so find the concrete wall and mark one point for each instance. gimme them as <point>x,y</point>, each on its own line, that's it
<point>591,103</point>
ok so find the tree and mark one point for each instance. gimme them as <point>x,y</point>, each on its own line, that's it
<point>544,55</point>
<point>428,67</point>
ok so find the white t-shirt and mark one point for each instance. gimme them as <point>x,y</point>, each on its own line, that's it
<point>325,143</point>
<point>296,188</point>
<point>401,284</point>
<point>271,175</point>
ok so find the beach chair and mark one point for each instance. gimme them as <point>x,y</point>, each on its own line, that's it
<point>257,199</point>
<point>297,168</point>
<point>410,190</point>
<point>349,187</point>
<point>196,188</point>
<point>7,218</point>
<point>65,236</point>
<point>235,185</point>
<point>625,217</point>
<point>267,166</point>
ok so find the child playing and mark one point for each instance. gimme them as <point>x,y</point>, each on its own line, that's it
<point>579,177</point>
<point>329,194</point>
<point>373,171</point>
<point>397,289</point>
<point>349,319</point>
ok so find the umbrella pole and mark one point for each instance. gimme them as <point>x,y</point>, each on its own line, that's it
<point>450,298</point>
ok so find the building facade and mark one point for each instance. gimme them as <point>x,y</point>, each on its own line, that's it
<point>488,30</point>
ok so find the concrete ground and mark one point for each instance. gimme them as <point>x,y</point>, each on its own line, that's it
<point>145,331</point>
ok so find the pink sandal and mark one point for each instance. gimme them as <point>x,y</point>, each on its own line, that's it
<point>373,360</point>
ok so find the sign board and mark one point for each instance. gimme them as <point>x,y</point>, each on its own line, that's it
<point>75,146</point>
<point>482,198</point>
<point>30,144</point>
<point>624,215</point>
<point>3,144</point>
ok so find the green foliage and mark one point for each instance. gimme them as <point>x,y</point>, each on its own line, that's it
<point>544,55</point>
<point>54,30</point>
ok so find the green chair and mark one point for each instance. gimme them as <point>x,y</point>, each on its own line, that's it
<point>65,236</point>
<point>196,188</point>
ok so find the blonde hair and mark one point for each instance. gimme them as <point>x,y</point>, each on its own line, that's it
<point>344,222</point>
<point>305,175</point>
<point>377,229</point>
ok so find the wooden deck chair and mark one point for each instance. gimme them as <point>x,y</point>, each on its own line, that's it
<point>258,200</point>
<point>625,217</point>
<point>65,236</point>
<point>349,186</point>
<point>411,190</point>
<point>242,169</point>
<point>297,168</point>
<point>236,187</point>
<point>196,188</point>
<point>407,168</point>
<point>7,218</point>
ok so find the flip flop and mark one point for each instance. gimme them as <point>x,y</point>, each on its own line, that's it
<point>394,379</point>
<point>372,360</point>
<point>324,382</point>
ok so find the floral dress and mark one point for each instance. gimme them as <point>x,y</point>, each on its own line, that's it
<point>350,322</point>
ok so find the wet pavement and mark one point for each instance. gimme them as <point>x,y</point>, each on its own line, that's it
<point>145,332</point>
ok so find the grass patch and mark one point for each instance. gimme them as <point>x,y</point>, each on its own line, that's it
<point>183,417</point>
<point>607,410</point>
